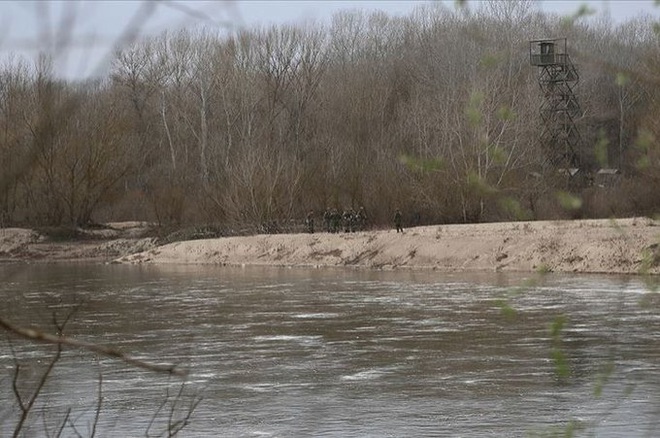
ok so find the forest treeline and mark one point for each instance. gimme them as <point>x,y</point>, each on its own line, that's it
<point>435,113</point>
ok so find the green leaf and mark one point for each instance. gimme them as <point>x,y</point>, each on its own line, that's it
<point>572,428</point>
<point>622,79</point>
<point>498,155</point>
<point>567,21</point>
<point>650,259</point>
<point>422,164</point>
<point>543,269</point>
<point>643,163</point>
<point>600,149</point>
<point>473,111</point>
<point>507,311</point>
<point>562,369</point>
<point>557,326</point>
<point>505,113</point>
<point>490,61</point>
<point>561,363</point>
<point>479,186</point>
<point>568,201</point>
<point>474,116</point>
<point>602,378</point>
<point>584,10</point>
<point>644,140</point>
<point>513,208</point>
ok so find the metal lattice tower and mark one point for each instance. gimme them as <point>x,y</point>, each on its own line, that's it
<point>558,78</point>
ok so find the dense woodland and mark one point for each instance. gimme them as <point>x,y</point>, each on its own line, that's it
<point>435,113</point>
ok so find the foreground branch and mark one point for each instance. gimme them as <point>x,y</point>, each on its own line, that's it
<point>36,335</point>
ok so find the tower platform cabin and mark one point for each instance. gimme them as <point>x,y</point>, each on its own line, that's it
<point>552,55</point>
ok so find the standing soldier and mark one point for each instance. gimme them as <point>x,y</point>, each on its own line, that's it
<point>327,218</point>
<point>346,219</point>
<point>309,221</point>
<point>361,219</point>
<point>398,221</point>
<point>352,220</point>
<point>336,219</point>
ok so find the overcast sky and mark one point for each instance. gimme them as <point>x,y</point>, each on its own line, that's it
<point>27,26</point>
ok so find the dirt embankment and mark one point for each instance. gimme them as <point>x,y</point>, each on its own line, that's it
<point>99,245</point>
<point>589,246</point>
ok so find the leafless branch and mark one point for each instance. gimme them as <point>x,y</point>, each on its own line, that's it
<point>39,336</point>
<point>73,427</point>
<point>14,382</point>
<point>157,412</point>
<point>43,419</point>
<point>26,408</point>
<point>99,402</point>
<point>63,424</point>
<point>174,425</point>
<point>197,14</point>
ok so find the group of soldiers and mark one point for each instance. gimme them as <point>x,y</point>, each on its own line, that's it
<point>334,221</point>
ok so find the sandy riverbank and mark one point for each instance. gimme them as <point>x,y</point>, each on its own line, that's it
<point>19,245</point>
<point>587,246</point>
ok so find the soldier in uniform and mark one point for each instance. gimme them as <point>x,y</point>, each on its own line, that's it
<point>336,219</point>
<point>347,220</point>
<point>352,221</point>
<point>361,219</point>
<point>398,221</point>
<point>327,219</point>
<point>309,221</point>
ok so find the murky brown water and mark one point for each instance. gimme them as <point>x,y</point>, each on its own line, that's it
<point>282,353</point>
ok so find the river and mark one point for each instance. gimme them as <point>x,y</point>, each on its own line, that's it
<point>335,353</point>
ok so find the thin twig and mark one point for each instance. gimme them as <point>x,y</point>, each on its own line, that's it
<point>160,408</point>
<point>63,425</point>
<point>14,382</point>
<point>26,408</point>
<point>37,335</point>
<point>72,425</point>
<point>170,421</point>
<point>174,427</point>
<point>43,419</point>
<point>99,402</point>
<point>180,424</point>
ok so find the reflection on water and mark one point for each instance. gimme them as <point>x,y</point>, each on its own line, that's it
<point>283,352</point>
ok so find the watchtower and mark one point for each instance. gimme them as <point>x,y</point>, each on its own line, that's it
<point>557,78</point>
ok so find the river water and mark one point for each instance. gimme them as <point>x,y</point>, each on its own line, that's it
<point>336,353</point>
